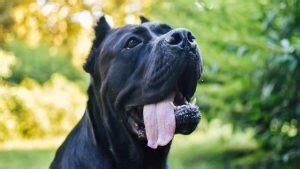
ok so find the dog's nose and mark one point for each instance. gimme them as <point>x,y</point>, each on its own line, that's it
<point>181,38</point>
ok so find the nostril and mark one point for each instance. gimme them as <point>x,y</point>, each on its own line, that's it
<point>190,37</point>
<point>174,39</point>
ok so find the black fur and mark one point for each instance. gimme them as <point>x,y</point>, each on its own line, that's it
<point>101,29</point>
<point>144,19</point>
<point>122,78</point>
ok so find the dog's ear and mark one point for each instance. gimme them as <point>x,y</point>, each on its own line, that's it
<point>101,30</point>
<point>144,19</point>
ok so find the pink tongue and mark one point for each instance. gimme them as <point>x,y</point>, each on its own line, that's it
<point>159,120</point>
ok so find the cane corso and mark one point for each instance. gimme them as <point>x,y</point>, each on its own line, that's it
<point>142,79</point>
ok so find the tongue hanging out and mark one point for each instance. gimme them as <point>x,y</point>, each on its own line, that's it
<point>159,119</point>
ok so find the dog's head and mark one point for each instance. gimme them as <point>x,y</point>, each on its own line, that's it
<point>140,70</point>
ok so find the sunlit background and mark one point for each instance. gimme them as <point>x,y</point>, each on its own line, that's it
<point>249,95</point>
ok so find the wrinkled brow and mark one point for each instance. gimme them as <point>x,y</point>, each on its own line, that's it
<point>159,28</point>
<point>140,30</point>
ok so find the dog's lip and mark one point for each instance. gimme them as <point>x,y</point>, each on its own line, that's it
<point>137,127</point>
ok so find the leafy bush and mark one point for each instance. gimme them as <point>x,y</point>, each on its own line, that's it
<point>31,110</point>
<point>5,69</point>
<point>251,69</point>
<point>38,63</point>
<point>274,107</point>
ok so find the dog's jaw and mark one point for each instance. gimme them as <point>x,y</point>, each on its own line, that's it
<point>186,115</point>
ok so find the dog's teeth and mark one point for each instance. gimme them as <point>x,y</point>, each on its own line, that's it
<point>194,101</point>
<point>173,106</point>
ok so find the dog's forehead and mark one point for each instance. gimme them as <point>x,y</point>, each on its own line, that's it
<point>156,25</point>
<point>147,31</point>
<point>152,27</point>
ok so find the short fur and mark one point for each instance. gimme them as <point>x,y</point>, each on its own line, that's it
<point>121,78</point>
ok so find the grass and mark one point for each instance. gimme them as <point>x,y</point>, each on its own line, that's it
<point>212,146</point>
<point>26,159</point>
<point>28,154</point>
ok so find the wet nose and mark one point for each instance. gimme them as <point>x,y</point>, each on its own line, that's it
<point>181,38</point>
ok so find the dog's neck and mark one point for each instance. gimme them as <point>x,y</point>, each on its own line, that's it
<point>122,149</point>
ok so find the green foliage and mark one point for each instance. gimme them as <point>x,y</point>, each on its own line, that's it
<point>31,110</point>
<point>38,63</point>
<point>274,105</point>
<point>213,146</point>
<point>251,69</point>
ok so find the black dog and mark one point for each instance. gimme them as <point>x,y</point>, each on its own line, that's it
<point>139,74</point>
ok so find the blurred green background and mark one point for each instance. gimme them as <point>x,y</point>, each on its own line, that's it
<point>249,94</point>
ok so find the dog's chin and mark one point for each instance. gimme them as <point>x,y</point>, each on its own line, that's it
<point>187,116</point>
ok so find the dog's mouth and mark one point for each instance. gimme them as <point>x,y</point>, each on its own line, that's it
<point>163,109</point>
<point>158,122</point>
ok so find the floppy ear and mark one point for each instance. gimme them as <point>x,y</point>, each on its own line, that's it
<point>144,19</point>
<point>101,30</point>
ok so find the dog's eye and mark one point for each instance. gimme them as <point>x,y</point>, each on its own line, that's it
<point>132,42</point>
